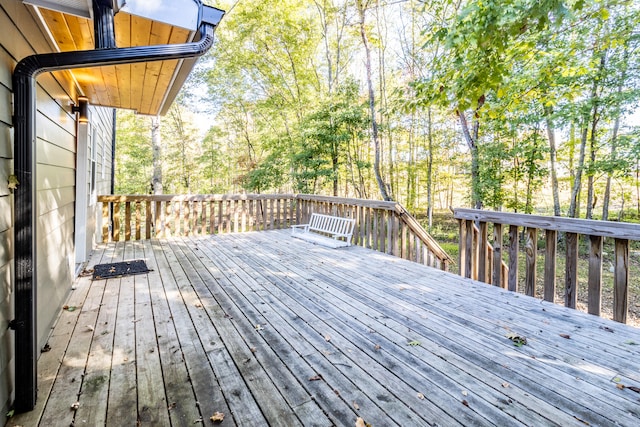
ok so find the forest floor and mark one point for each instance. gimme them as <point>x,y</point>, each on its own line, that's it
<point>445,231</point>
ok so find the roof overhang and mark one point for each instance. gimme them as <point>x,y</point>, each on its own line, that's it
<point>148,88</point>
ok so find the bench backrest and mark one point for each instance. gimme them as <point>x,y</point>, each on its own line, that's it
<point>332,224</point>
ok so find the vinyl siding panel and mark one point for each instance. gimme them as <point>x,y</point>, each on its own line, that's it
<point>55,181</point>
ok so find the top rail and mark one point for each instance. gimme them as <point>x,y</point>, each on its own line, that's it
<point>474,255</point>
<point>382,226</point>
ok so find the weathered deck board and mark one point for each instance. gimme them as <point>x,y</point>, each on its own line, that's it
<point>272,330</point>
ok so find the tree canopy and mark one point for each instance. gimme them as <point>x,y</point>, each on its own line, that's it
<point>522,105</point>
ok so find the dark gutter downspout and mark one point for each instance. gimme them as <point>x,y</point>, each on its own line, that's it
<point>24,89</point>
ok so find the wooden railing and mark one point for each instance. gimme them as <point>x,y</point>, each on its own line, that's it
<point>382,226</point>
<point>474,256</point>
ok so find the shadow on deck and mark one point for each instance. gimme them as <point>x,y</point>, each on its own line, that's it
<point>270,330</point>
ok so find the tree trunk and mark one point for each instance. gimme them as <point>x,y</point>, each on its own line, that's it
<point>156,179</point>
<point>551,134</point>
<point>592,141</point>
<point>471,138</point>
<point>614,141</point>
<point>429,170</point>
<point>575,193</point>
<point>362,5</point>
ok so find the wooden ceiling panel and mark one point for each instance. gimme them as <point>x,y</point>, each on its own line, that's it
<point>142,87</point>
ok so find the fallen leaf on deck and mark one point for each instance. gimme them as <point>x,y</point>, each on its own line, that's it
<point>75,406</point>
<point>606,328</point>
<point>89,327</point>
<point>69,307</point>
<point>377,347</point>
<point>414,343</point>
<point>259,327</point>
<point>336,392</point>
<point>631,342</point>
<point>465,403</point>
<point>616,379</point>
<point>566,336</point>
<point>46,348</point>
<point>327,337</point>
<point>253,349</point>
<point>172,405</point>
<point>217,417</point>
<point>356,406</point>
<point>420,396</point>
<point>360,422</point>
<point>197,305</point>
<point>505,385</point>
<point>518,340</point>
<point>620,386</point>
<point>464,392</point>
<point>316,378</point>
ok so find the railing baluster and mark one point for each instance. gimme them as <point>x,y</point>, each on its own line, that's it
<point>571,271</point>
<point>115,231</point>
<point>468,268</point>
<point>483,241</point>
<point>514,244</point>
<point>531,250</point>
<point>105,221</point>
<point>621,280</point>
<point>127,221</point>
<point>551,248</point>
<point>497,255</point>
<point>594,282</point>
<point>138,219</point>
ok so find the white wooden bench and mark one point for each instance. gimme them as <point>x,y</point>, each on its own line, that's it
<point>326,230</point>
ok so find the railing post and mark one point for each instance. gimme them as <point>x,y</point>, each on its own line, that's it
<point>551,248</point>
<point>531,249</point>
<point>595,275</point>
<point>571,271</point>
<point>621,280</point>
<point>497,255</point>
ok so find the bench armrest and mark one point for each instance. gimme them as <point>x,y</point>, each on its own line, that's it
<point>304,227</point>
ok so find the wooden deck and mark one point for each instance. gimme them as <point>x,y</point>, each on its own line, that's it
<point>270,330</point>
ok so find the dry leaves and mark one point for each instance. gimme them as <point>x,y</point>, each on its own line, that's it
<point>518,340</point>
<point>505,385</point>
<point>465,403</point>
<point>356,406</point>
<point>377,347</point>
<point>566,336</point>
<point>360,423</point>
<point>217,417</point>
<point>327,338</point>
<point>75,406</point>
<point>414,343</point>
<point>316,378</point>
<point>420,396</point>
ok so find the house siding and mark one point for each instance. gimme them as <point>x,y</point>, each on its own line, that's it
<point>55,182</point>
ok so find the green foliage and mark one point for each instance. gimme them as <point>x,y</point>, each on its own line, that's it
<point>133,154</point>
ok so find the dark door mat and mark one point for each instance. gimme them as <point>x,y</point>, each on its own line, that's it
<point>119,269</point>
